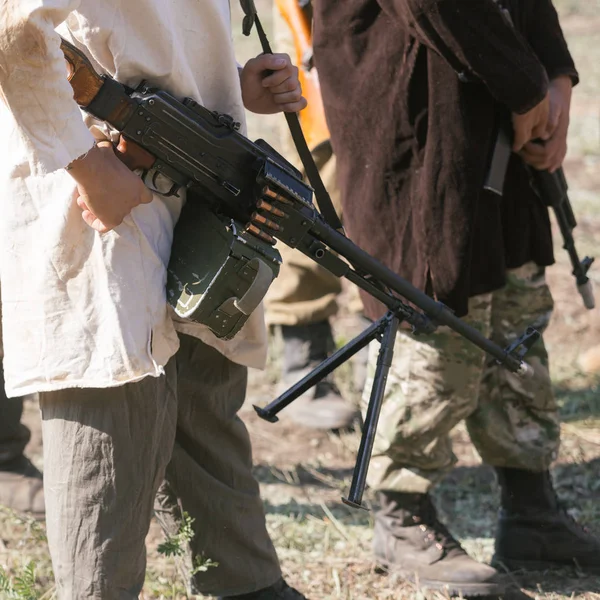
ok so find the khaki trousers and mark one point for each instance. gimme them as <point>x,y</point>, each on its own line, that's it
<point>438,380</point>
<point>108,451</point>
<point>304,292</point>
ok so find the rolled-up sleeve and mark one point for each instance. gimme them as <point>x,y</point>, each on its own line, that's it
<point>476,39</point>
<point>34,86</point>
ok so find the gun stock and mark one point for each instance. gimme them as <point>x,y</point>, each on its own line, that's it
<point>86,84</point>
<point>82,76</point>
<point>312,117</point>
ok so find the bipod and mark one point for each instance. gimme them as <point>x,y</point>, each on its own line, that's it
<point>385,331</point>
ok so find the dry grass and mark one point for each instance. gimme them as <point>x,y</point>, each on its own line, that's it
<point>323,545</point>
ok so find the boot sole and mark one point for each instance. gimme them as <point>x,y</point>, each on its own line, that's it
<point>499,562</point>
<point>452,588</point>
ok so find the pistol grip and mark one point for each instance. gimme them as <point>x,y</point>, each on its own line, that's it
<point>134,156</point>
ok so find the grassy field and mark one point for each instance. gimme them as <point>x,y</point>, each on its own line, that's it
<point>324,547</point>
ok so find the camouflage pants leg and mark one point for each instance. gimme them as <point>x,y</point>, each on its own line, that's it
<point>516,422</point>
<point>439,380</point>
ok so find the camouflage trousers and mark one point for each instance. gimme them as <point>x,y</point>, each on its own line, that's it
<point>439,380</point>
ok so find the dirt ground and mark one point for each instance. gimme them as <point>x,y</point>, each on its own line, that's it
<point>323,545</point>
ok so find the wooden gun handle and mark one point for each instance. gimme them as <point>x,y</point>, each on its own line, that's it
<point>86,84</point>
<point>133,156</point>
<point>84,80</point>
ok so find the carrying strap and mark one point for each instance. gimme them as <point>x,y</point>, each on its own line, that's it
<point>312,172</point>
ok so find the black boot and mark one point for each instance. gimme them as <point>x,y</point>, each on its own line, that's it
<point>534,532</point>
<point>321,407</point>
<point>410,540</point>
<point>278,591</point>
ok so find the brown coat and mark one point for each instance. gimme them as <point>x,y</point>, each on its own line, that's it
<point>413,141</point>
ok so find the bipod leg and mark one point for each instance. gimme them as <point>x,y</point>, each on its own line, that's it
<point>384,362</point>
<point>269,412</point>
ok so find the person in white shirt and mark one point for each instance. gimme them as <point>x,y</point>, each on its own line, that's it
<point>132,400</point>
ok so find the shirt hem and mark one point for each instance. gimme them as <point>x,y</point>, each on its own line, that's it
<point>18,391</point>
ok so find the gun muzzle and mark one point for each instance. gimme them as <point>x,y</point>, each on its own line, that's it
<point>587,294</point>
<point>525,370</point>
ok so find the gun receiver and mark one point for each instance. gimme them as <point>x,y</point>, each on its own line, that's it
<point>251,184</point>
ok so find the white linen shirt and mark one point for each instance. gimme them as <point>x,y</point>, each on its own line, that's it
<point>81,309</point>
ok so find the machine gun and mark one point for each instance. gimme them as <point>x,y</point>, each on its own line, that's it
<point>257,190</point>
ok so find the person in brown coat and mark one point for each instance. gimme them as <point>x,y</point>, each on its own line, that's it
<point>414,92</point>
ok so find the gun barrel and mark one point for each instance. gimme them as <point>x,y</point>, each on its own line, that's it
<point>586,290</point>
<point>553,188</point>
<point>436,311</point>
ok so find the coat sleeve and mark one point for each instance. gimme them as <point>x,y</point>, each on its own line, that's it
<point>546,37</point>
<point>477,40</point>
<point>34,86</point>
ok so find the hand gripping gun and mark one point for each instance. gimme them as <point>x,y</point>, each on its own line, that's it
<point>249,183</point>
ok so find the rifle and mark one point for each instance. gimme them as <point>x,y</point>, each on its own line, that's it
<point>249,183</point>
<point>298,16</point>
<point>552,189</point>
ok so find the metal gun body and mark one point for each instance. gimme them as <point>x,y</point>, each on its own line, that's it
<point>203,150</point>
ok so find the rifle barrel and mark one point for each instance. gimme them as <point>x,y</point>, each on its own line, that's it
<point>436,311</point>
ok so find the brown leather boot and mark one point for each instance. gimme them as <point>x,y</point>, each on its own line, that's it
<point>278,591</point>
<point>410,540</point>
<point>534,532</point>
<point>21,488</point>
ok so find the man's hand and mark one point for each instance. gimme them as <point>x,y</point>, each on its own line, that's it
<point>270,85</point>
<point>551,154</point>
<point>532,124</point>
<point>107,189</point>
